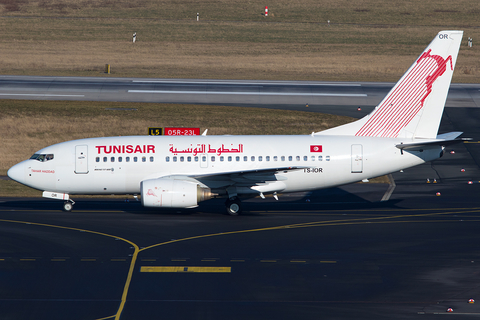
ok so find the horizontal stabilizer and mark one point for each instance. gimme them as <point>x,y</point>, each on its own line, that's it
<point>442,140</point>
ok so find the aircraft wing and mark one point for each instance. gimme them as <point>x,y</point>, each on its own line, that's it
<point>242,178</point>
<point>253,172</point>
<point>245,178</point>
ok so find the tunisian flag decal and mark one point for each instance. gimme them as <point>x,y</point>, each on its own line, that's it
<point>317,148</point>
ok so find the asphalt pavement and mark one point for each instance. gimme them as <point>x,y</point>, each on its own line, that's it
<point>339,253</point>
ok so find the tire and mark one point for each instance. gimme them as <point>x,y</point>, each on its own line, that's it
<point>67,206</point>
<point>233,206</point>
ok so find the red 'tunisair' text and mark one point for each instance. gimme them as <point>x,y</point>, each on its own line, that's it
<point>146,148</point>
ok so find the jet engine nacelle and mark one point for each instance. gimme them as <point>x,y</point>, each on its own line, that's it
<point>172,193</point>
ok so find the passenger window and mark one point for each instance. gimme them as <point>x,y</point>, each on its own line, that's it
<point>267,158</point>
<point>144,159</point>
<point>320,158</point>
<point>97,159</point>
<point>253,158</point>
<point>189,159</point>
<point>127,159</point>
<point>221,158</point>
<point>290,158</point>
<point>212,158</point>
<point>204,158</point>
<point>305,158</point>
<point>196,159</point>
<point>313,158</point>
<point>182,158</point>
<point>167,159</point>
<point>135,159</point>
<point>174,159</point>
<point>245,158</point>
<point>275,158</point>
<point>237,158</point>
<point>112,159</point>
<point>229,158</point>
<point>104,159</point>
<point>151,159</point>
<point>327,158</point>
<point>119,159</point>
<point>283,158</point>
<point>298,158</point>
<point>259,158</point>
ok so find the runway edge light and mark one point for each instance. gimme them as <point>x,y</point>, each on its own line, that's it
<point>449,310</point>
<point>471,301</point>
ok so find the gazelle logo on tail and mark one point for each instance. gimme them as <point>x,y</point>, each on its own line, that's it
<point>414,106</point>
<point>407,98</point>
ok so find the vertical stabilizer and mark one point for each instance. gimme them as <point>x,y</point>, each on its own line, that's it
<point>414,106</point>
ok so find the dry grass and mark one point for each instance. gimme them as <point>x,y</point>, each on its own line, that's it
<point>215,61</point>
<point>367,40</point>
<point>27,126</point>
<point>404,12</point>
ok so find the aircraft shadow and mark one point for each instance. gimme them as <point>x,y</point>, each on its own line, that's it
<point>340,198</point>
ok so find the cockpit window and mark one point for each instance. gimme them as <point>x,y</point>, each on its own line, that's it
<point>42,157</point>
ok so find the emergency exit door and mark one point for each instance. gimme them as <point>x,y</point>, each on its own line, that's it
<point>357,158</point>
<point>81,159</point>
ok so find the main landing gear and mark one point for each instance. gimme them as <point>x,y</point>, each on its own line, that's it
<point>68,205</point>
<point>233,206</point>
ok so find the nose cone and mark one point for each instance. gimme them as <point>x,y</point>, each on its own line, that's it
<point>17,172</point>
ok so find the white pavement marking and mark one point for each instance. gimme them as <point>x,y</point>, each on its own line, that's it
<point>42,95</point>
<point>390,189</point>
<point>253,93</point>
<point>249,83</point>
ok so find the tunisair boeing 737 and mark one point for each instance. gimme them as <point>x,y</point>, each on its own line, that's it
<point>181,171</point>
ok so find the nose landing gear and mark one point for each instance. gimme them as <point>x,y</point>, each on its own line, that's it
<point>68,205</point>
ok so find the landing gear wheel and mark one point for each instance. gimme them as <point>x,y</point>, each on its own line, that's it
<point>233,206</point>
<point>67,206</point>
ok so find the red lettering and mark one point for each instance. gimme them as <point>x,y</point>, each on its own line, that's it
<point>126,149</point>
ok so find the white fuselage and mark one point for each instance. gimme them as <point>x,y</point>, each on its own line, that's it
<point>117,165</point>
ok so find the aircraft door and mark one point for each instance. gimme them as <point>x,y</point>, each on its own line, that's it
<point>357,158</point>
<point>203,160</point>
<point>81,159</point>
